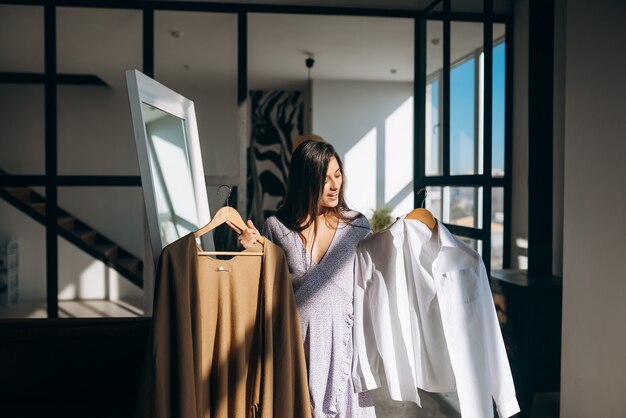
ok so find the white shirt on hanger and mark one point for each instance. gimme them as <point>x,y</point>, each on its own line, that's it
<point>424,317</point>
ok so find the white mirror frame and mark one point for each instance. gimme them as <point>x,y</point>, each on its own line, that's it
<point>143,89</point>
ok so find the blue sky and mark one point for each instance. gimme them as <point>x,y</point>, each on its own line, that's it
<point>462,118</point>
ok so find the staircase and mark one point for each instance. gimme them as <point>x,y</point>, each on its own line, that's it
<point>78,233</point>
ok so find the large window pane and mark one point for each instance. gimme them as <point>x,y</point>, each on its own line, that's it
<point>461,206</point>
<point>433,129</point>
<point>434,201</point>
<point>465,132</point>
<point>499,102</point>
<point>497,227</point>
<point>434,64</point>
<point>475,244</point>
<point>462,118</point>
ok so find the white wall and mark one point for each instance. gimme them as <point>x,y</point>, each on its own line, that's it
<point>370,124</point>
<point>594,278</point>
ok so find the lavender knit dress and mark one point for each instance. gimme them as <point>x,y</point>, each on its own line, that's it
<point>324,295</point>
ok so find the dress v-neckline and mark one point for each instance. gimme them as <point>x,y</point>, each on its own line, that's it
<point>330,246</point>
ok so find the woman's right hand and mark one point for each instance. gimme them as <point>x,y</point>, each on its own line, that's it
<point>248,237</point>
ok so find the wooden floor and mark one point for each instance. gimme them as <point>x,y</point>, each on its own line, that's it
<point>74,309</point>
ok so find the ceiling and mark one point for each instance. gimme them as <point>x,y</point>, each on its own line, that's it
<point>202,47</point>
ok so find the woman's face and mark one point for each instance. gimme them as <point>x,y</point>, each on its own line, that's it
<point>332,185</point>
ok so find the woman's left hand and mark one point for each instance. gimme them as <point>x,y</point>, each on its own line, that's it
<point>248,237</point>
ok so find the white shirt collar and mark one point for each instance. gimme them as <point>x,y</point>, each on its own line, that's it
<point>453,255</point>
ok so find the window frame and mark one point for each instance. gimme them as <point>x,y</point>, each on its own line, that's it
<point>484,181</point>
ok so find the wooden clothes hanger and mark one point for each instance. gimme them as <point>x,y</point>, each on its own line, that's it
<point>423,215</point>
<point>228,215</point>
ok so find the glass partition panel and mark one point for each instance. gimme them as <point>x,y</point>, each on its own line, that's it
<point>22,129</point>
<point>22,239</point>
<point>21,39</point>
<point>95,133</point>
<point>358,95</point>
<point>22,118</point>
<point>22,264</point>
<point>461,206</point>
<point>101,251</point>
<point>195,54</point>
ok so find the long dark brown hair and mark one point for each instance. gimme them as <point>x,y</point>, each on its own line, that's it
<point>305,185</point>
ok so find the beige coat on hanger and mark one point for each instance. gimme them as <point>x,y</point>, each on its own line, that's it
<point>225,339</point>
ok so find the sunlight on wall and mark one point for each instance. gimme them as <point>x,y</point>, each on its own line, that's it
<point>68,292</point>
<point>398,175</point>
<point>404,207</point>
<point>360,169</point>
<point>94,284</point>
<point>91,283</point>
<point>113,284</point>
<point>522,260</point>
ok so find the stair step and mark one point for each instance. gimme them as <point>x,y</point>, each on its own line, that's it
<point>84,232</point>
<point>123,261</point>
<point>130,264</point>
<point>22,193</point>
<point>39,207</point>
<point>109,250</point>
<point>87,235</point>
<point>26,195</point>
<point>67,222</point>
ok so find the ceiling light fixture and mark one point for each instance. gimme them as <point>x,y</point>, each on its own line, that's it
<point>309,62</point>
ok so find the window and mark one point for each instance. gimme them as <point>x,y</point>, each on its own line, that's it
<point>463,150</point>
<point>465,176</point>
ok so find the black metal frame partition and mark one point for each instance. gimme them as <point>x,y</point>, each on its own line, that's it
<point>485,180</point>
<point>52,180</point>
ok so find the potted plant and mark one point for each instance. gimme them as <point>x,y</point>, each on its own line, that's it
<point>381,219</point>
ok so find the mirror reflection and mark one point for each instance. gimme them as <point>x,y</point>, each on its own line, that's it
<point>171,173</point>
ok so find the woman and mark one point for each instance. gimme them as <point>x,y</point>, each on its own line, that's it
<point>319,235</point>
